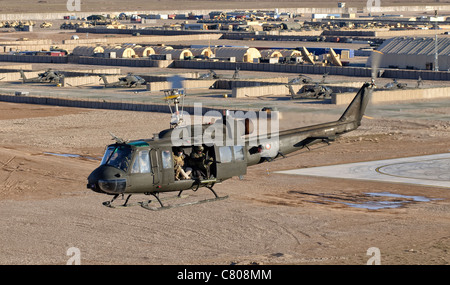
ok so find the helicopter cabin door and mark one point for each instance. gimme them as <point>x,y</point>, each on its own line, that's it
<point>230,161</point>
<point>166,166</point>
<point>143,173</point>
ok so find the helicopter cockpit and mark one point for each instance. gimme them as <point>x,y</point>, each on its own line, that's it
<point>118,156</point>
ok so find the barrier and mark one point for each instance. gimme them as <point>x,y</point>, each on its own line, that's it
<point>121,61</point>
<point>33,58</point>
<point>87,80</point>
<point>382,96</point>
<point>102,104</point>
<point>256,91</point>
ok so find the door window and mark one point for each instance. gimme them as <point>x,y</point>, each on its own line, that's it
<point>142,163</point>
<point>166,159</point>
<point>238,152</point>
<point>226,155</point>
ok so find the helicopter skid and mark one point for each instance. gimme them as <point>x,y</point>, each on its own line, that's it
<point>109,204</point>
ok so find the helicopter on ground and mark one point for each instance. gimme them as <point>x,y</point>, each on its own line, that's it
<point>48,76</point>
<point>211,74</point>
<point>395,85</point>
<point>127,81</point>
<point>308,91</point>
<point>227,148</point>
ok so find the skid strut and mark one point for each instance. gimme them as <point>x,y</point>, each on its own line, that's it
<point>125,204</point>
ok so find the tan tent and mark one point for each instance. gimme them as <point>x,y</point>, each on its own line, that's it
<point>159,49</point>
<point>268,53</point>
<point>291,53</point>
<point>241,54</point>
<point>201,52</point>
<point>143,51</point>
<point>87,50</point>
<point>121,52</point>
<point>180,54</point>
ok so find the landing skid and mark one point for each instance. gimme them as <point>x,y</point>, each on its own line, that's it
<point>149,204</point>
<point>126,204</point>
<point>163,207</point>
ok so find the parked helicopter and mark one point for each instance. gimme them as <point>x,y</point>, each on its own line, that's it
<point>127,81</point>
<point>48,76</point>
<point>146,166</point>
<point>211,74</point>
<point>395,85</point>
<point>316,91</point>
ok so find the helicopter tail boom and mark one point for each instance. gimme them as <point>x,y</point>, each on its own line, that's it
<point>355,111</point>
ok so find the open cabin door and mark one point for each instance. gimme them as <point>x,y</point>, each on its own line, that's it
<point>230,161</point>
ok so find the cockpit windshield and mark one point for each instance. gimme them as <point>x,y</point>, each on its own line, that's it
<point>117,156</point>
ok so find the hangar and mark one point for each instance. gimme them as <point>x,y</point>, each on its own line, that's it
<point>414,53</point>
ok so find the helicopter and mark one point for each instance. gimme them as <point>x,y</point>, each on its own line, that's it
<point>146,166</point>
<point>213,75</point>
<point>396,85</point>
<point>48,76</point>
<point>127,81</point>
<point>318,90</point>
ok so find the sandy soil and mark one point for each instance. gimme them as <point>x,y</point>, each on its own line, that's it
<point>269,218</point>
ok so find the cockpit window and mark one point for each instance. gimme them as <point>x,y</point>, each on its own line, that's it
<point>117,156</point>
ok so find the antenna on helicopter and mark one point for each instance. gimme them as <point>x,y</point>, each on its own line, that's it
<point>117,139</point>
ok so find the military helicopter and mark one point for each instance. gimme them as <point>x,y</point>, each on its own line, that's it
<point>127,81</point>
<point>146,166</point>
<point>48,76</point>
<point>318,90</point>
<point>395,85</point>
<point>211,74</point>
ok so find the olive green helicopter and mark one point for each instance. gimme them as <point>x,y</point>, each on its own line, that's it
<point>210,152</point>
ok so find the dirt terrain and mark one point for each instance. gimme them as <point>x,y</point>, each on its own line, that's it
<point>269,218</point>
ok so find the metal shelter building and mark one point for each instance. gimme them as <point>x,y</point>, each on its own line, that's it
<point>414,53</point>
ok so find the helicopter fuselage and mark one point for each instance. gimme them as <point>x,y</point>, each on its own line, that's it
<point>147,166</point>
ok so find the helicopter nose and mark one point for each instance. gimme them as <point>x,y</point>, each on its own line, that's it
<point>106,179</point>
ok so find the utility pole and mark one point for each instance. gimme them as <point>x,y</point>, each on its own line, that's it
<point>436,51</point>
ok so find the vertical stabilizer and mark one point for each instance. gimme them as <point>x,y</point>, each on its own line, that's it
<point>355,111</point>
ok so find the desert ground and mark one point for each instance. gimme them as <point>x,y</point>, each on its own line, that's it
<point>269,218</point>
<point>47,153</point>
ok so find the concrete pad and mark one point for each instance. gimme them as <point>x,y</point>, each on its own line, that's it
<point>429,170</point>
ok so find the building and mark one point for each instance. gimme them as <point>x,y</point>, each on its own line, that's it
<point>141,51</point>
<point>87,50</point>
<point>118,52</point>
<point>414,53</point>
<point>240,54</point>
<point>178,54</point>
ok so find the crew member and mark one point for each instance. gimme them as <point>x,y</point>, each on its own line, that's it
<point>178,159</point>
<point>200,162</point>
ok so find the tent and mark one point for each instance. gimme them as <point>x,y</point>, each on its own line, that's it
<point>241,54</point>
